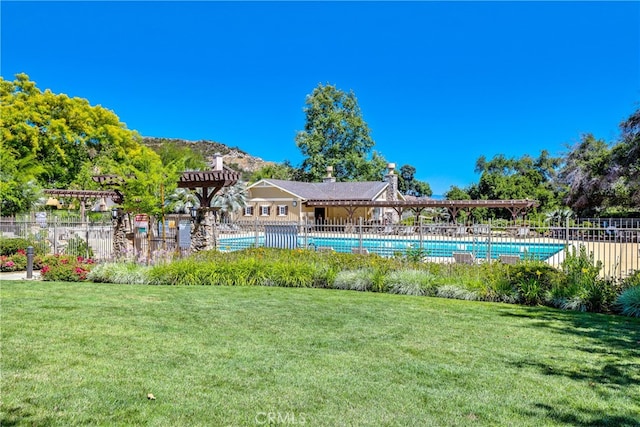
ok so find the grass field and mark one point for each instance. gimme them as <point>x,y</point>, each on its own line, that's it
<point>91,353</point>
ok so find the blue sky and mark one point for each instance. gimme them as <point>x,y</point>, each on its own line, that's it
<point>439,83</point>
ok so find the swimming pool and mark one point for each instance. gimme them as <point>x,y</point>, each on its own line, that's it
<point>390,247</point>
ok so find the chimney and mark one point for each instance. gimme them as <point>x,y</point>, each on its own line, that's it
<point>392,179</point>
<point>329,178</point>
<point>392,192</point>
<point>217,162</point>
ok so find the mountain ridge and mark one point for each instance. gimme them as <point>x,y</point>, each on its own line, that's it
<point>233,157</point>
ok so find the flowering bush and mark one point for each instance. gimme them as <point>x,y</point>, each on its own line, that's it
<point>66,268</point>
<point>15,262</point>
<point>11,246</point>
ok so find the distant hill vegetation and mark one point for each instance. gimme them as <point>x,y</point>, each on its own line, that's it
<point>234,157</point>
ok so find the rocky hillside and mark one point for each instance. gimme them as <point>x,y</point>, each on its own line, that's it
<point>234,157</point>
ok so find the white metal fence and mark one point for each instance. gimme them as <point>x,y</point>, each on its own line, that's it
<point>613,242</point>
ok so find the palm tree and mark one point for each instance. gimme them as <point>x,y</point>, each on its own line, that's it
<point>230,199</point>
<point>181,200</point>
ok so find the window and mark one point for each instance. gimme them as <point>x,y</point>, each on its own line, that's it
<point>265,210</point>
<point>283,210</point>
<point>248,211</point>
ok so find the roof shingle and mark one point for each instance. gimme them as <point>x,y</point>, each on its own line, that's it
<point>331,190</point>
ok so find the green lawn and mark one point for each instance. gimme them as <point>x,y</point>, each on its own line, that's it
<point>90,353</point>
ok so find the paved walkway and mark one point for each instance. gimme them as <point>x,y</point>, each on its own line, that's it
<point>18,275</point>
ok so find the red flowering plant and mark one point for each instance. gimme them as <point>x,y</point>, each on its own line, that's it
<point>14,262</point>
<point>66,268</point>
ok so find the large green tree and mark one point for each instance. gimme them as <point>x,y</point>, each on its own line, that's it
<point>172,153</point>
<point>67,141</point>
<point>587,173</point>
<point>626,156</point>
<point>61,133</point>
<point>19,189</point>
<point>518,178</point>
<point>409,185</point>
<point>274,171</point>
<point>335,134</point>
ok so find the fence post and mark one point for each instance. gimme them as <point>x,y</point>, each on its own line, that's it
<point>489,242</point>
<point>306,231</point>
<point>360,234</point>
<point>55,235</point>
<point>86,235</point>
<point>257,241</point>
<point>566,233</point>
<point>29,262</point>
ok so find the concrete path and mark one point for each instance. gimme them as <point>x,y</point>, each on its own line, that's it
<point>18,275</point>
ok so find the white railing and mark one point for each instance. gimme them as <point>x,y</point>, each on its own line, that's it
<point>613,242</point>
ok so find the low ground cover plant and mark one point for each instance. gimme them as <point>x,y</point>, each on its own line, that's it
<point>576,287</point>
<point>628,302</point>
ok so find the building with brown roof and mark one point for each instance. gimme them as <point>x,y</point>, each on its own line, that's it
<point>281,200</point>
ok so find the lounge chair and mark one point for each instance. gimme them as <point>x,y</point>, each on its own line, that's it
<point>460,230</point>
<point>521,232</point>
<point>481,229</point>
<point>464,258</point>
<point>349,228</point>
<point>408,230</point>
<point>228,228</point>
<point>361,251</point>
<point>509,259</point>
<point>389,229</point>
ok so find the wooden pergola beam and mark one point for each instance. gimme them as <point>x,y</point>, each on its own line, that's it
<point>516,207</point>
<point>427,203</point>
<point>209,182</point>
<point>85,194</point>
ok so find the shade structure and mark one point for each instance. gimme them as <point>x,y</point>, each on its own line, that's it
<point>53,202</point>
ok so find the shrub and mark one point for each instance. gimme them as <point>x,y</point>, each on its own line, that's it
<point>415,254</point>
<point>456,292</point>
<point>290,274</point>
<point>123,273</point>
<point>581,288</point>
<point>581,268</point>
<point>66,268</point>
<point>13,245</point>
<point>628,302</point>
<point>355,280</point>
<point>411,282</point>
<point>14,262</point>
<point>632,280</point>
<point>533,280</point>
<point>496,284</point>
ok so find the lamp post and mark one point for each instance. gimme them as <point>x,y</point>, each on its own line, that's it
<point>116,213</point>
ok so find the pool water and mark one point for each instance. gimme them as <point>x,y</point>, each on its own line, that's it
<point>391,247</point>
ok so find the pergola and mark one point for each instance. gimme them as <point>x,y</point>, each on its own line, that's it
<point>515,207</point>
<point>84,195</point>
<point>209,182</point>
